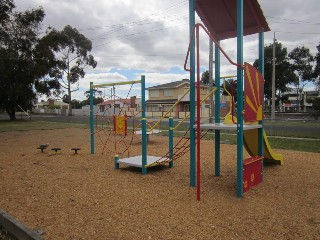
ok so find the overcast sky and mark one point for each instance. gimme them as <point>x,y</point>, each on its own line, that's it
<point>131,37</point>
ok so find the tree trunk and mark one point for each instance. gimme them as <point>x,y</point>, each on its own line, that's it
<point>11,112</point>
<point>69,96</point>
<point>70,104</point>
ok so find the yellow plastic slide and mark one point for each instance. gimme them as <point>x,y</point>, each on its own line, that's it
<point>251,145</point>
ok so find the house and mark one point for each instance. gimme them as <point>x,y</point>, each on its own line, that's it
<point>162,97</point>
<point>51,103</point>
<point>115,105</point>
<point>298,102</point>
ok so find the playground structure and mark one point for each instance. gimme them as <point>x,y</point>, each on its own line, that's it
<point>251,135</point>
<point>240,18</point>
<point>248,122</point>
<point>120,127</point>
<point>113,122</point>
<point>145,128</point>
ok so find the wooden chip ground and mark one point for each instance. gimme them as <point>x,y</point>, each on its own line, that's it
<point>82,196</point>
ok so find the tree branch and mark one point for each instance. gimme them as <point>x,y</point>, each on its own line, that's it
<point>63,86</point>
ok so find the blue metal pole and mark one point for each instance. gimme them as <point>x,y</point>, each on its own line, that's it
<point>239,98</point>
<point>217,111</point>
<point>143,125</point>
<point>261,69</point>
<point>171,141</point>
<point>144,145</point>
<point>143,96</point>
<point>116,164</point>
<point>91,118</point>
<point>261,52</point>
<point>192,96</point>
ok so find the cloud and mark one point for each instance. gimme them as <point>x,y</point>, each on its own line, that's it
<point>153,36</point>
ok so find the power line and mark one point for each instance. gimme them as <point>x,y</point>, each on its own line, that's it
<point>140,23</point>
<point>294,20</point>
<point>150,30</point>
<point>296,23</point>
<point>303,33</point>
<point>146,55</point>
<point>146,18</point>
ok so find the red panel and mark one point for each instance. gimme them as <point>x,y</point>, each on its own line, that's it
<point>252,175</point>
<point>253,93</point>
<point>251,160</point>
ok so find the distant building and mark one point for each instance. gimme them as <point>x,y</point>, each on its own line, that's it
<point>115,105</point>
<point>51,103</point>
<point>162,97</point>
<point>298,102</point>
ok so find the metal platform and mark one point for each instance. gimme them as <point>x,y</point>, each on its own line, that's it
<point>154,131</point>
<point>222,126</point>
<point>136,161</point>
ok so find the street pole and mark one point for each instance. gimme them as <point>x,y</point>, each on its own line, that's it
<point>211,81</point>
<point>273,86</point>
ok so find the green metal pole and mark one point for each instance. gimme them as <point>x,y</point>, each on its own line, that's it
<point>143,96</point>
<point>217,111</point>
<point>143,125</point>
<point>144,145</point>
<point>192,96</point>
<point>91,118</point>
<point>239,98</point>
<point>261,69</point>
<point>261,52</point>
<point>116,164</point>
<point>171,141</point>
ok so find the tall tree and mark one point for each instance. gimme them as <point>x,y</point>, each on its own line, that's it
<point>302,65</point>
<point>229,86</point>
<point>317,68</point>
<point>22,65</point>
<point>205,78</point>
<point>96,100</point>
<point>72,53</point>
<point>6,7</point>
<point>284,72</point>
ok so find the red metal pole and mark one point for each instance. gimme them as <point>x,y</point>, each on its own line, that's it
<point>125,125</point>
<point>198,115</point>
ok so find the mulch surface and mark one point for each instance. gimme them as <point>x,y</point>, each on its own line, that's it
<point>82,196</point>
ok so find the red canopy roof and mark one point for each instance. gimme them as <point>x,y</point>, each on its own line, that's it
<point>220,17</point>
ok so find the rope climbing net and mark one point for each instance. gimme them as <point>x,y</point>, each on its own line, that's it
<point>111,122</point>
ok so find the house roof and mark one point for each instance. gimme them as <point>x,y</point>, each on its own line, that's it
<point>124,101</point>
<point>175,84</point>
<point>220,17</point>
<point>170,84</point>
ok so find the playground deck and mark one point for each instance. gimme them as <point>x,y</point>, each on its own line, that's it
<point>136,161</point>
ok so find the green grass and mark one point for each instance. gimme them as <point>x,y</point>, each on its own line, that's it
<point>295,144</point>
<point>297,129</point>
<point>226,136</point>
<point>27,125</point>
<point>291,123</point>
<point>294,134</point>
<point>279,143</point>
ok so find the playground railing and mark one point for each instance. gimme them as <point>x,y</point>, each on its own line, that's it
<point>196,27</point>
<point>206,97</point>
<point>170,109</point>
